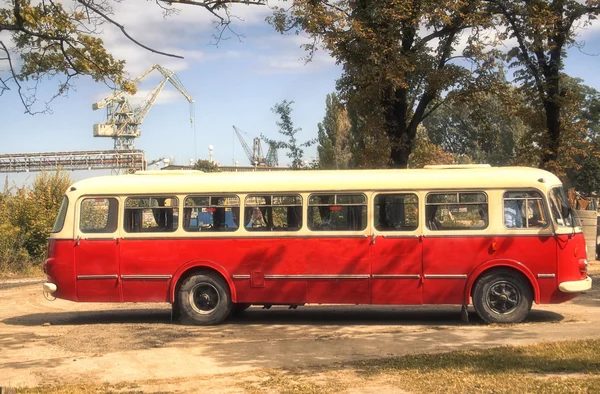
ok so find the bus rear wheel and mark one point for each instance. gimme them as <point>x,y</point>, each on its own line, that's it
<point>502,297</point>
<point>204,300</point>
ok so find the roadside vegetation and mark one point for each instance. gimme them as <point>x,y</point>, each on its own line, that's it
<point>558,367</point>
<point>27,215</point>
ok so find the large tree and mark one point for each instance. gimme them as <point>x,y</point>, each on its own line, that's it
<point>60,39</point>
<point>399,60</point>
<point>334,135</point>
<point>542,31</point>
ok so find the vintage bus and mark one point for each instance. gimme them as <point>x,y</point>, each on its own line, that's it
<point>215,243</point>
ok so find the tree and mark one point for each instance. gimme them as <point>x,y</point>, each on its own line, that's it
<point>543,30</point>
<point>483,126</point>
<point>59,39</point>
<point>428,153</point>
<point>334,139</point>
<point>206,166</point>
<point>286,128</point>
<point>398,59</point>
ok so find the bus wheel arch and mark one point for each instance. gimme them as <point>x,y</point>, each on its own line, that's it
<point>203,297</point>
<point>197,267</point>
<point>502,295</point>
<point>501,265</point>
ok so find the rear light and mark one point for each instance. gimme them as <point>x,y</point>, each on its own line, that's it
<point>583,266</point>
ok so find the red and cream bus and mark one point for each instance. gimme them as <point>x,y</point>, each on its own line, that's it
<point>213,243</point>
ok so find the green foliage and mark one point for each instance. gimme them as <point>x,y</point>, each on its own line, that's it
<point>206,166</point>
<point>286,128</point>
<point>334,136</point>
<point>427,153</point>
<point>27,215</point>
<point>483,126</point>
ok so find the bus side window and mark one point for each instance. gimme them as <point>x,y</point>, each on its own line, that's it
<point>396,212</point>
<point>273,212</point>
<point>337,212</point>
<point>456,211</point>
<point>524,209</point>
<point>151,214</point>
<point>211,213</point>
<point>98,215</point>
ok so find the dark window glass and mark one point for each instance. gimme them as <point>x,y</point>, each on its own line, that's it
<point>151,214</point>
<point>337,212</point>
<point>98,215</point>
<point>456,211</point>
<point>211,213</point>
<point>396,212</point>
<point>266,212</point>
<point>560,207</point>
<point>524,210</point>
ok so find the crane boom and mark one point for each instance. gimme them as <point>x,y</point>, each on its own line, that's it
<point>124,119</point>
<point>244,146</point>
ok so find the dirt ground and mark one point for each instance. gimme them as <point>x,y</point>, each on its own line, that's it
<point>61,342</point>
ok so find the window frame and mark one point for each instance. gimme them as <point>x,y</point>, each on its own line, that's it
<point>98,233</point>
<point>457,192</point>
<point>211,195</point>
<point>395,193</point>
<point>176,209</point>
<point>336,194</point>
<point>61,217</point>
<point>545,209</point>
<point>272,195</point>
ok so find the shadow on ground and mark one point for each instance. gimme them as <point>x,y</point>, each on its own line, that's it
<point>318,315</point>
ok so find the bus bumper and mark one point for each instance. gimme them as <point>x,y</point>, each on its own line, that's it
<point>50,288</point>
<point>576,286</point>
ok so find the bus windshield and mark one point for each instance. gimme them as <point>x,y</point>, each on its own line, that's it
<point>561,210</point>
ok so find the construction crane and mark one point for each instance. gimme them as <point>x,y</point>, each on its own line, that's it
<point>124,119</point>
<point>255,155</point>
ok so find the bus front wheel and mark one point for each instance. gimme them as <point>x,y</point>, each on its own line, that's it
<point>502,297</point>
<point>204,299</point>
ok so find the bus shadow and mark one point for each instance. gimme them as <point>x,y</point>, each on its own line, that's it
<point>317,316</point>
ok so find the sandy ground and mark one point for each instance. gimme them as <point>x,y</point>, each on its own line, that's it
<point>58,342</point>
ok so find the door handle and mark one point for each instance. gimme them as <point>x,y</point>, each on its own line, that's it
<point>77,240</point>
<point>373,237</point>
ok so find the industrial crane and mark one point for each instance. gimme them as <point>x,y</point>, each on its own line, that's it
<point>255,155</point>
<point>124,119</point>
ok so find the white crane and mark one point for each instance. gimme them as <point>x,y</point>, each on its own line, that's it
<point>124,119</point>
<point>255,155</point>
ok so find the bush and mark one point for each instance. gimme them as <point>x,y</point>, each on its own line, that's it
<point>27,215</point>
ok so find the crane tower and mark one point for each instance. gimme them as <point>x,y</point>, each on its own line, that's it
<point>255,155</point>
<point>124,119</point>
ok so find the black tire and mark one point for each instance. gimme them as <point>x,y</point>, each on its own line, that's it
<point>204,300</point>
<point>502,297</point>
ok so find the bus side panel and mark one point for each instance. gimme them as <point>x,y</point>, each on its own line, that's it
<point>445,259</point>
<point>61,269</point>
<point>570,249</point>
<point>298,270</point>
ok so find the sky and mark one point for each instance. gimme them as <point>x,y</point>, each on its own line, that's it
<point>234,83</point>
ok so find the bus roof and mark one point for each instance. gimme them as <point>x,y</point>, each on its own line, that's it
<point>315,181</point>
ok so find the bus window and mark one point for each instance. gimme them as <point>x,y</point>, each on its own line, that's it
<point>524,209</point>
<point>98,215</point>
<point>211,213</point>
<point>456,211</point>
<point>396,212</point>
<point>559,205</point>
<point>273,213</point>
<point>151,214</point>
<point>62,214</point>
<point>337,212</point>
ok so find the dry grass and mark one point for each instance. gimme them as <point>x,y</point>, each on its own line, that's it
<point>560,367</point>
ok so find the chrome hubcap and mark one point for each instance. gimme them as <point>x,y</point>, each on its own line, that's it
<point>204,298</point>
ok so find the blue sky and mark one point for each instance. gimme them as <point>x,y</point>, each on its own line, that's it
<point>236,83</point>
